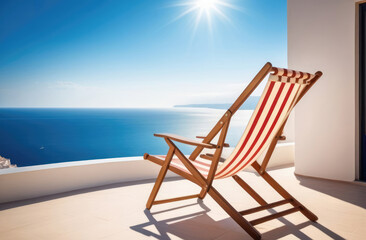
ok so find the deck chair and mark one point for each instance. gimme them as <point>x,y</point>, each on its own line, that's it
<point>282,92</point>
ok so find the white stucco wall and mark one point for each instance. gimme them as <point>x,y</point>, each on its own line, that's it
<point>42,180</point>
<point>321,36</point>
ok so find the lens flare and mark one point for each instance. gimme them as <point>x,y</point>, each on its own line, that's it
<point>209,8</point>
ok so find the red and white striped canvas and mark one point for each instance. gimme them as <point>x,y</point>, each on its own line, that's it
<point>278,98</point>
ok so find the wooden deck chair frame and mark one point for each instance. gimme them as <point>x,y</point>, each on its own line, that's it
<point>206,183</point>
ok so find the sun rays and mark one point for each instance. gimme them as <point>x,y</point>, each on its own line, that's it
<point>205,11</point>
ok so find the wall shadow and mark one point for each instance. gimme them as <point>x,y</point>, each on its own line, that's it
<point>9,205</point>
<point>349,192</point>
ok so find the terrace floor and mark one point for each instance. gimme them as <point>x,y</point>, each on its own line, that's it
<point>118,212</point>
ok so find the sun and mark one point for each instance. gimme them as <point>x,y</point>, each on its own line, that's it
<point>206,4</point>
<point>205,9</point>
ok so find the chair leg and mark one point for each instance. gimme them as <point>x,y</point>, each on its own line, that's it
<point>276,186</point>
<point>160,178</point>
<point>203,193</point>
<point>237,217</point>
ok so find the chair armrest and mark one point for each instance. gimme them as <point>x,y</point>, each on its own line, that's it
<point>184,140</point>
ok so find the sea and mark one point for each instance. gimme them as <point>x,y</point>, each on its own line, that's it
<point>35,136</point>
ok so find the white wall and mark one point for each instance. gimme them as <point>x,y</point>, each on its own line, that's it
<point>42,180</point>
<point>321,36</point>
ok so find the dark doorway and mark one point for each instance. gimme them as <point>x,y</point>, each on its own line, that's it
<point>362,89</point>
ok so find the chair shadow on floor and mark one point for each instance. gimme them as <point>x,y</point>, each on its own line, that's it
<point>200,225</point>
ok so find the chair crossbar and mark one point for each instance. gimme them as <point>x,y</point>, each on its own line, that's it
<point>210,157</point>
<point>267,206</point>
<point>175,199</point>
<point>274,216</point>
<point>250,190</point>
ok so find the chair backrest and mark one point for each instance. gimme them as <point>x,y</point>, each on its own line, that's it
<point>283,89</point>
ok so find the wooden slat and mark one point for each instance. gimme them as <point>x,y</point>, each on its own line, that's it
<point>276,186</point>
<point>234,214</point>
<point>250,190</point>
<point>175,199</point>
<point>274,216</point>
<point>264,207</point>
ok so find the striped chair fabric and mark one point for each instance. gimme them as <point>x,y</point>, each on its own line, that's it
<point>283,88</point>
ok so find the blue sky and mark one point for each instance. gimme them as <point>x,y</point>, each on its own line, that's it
<point>135,53</point>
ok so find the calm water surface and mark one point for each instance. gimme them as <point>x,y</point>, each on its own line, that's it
<point>42,136</point>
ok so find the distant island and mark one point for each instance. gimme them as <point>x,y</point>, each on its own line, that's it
<point>249,104</point>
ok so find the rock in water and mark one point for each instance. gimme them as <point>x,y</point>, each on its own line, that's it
<point>5,163</point>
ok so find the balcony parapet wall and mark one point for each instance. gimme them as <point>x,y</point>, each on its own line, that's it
<point>43,180</point>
